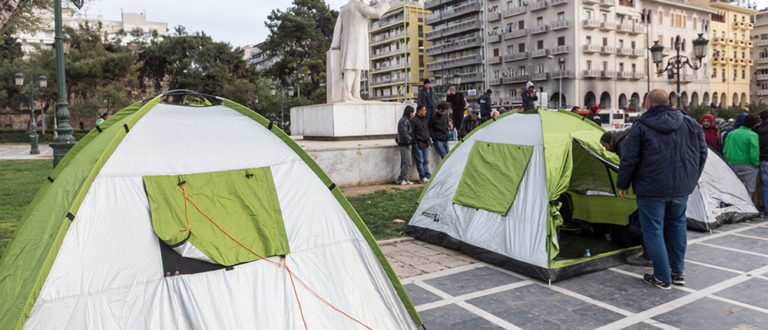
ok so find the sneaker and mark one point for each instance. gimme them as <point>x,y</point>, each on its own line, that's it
<point>650,279</point>
<point>424,180</point>
<point>678,278</point>
<point>409,182</point>
<point>402,183</point>
<point>639,260</point>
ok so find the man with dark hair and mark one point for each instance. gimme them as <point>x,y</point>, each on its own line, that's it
<point>420,126</point>
<point>438,129</point>
<point>614,141</point>
<point>485,106</point>
<point>428,98</point>
<point>762,133</point>
<point>575,109</point>
<point>458,104</point>
<point>529,97</point>
<point>662,159</point>
<point>404,144</point>
<point>470,122</point>
<point>742,152</point>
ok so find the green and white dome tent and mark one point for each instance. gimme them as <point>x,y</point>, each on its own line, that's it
<point>497,196</point>
<point>260,236</point>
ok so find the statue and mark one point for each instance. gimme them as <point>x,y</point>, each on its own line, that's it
<point>348,55</point>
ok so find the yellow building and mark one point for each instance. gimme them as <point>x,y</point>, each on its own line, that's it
<point>730,47</point>
<point>397,52</point>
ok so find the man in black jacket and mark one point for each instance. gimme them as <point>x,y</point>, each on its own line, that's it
<point>485,106</point>
<point>529,97</point>
<point>614,141</point>
<point>469,123</point>
<point>428,98</point>
<point>458,104</point>
<point>404,142</point>
<point>762,134</point>
<point>420,127</point>
<point>663,157</point>
<point>438,130</point>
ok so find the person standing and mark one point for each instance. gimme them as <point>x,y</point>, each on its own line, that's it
<point>470,122</point>
<point>420,148</point>
<point>404,143</point>
<point>428,98</point>
<point>742,152</point>
<point>711,132</point>
<point>458,104</point>
<point>762,134</point>
<point>594,114</point>
<point>529,97</point>
<point>485,106</point>
<point>438,130</point>
<point>662,159</point>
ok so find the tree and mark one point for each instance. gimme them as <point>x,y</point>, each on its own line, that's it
<point>300,37</point>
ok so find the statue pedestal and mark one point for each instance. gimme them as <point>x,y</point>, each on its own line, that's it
<point>347,121</point>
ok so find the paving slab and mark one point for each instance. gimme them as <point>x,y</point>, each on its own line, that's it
<point>537,307</point>
<point>620,290</point>
<point>696,276</point>
<point>454,317</point>
<point>757,232</point>
<point>473,280</point>
<point>641,326</point>
<point>692,234</point>
<point>725,258</point>
<point>753,291</point>
<point>419,295</point>
<point>708,313</point>
<point>754,245</point>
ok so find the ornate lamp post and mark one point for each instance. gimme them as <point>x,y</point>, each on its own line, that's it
<point>677,62</point>
<point>64,139</point>
<point>42,80</point>
<point>273,92</point>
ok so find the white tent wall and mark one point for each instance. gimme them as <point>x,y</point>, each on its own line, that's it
<point>108,272</point>
<point>521,234</point>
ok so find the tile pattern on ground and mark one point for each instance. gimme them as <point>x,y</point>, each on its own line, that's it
<point>696,276</point>
<point>753,291</point>
<point>474,280</point>
<point>454,317</point>
<point>724,258</point>
<point>419,295</point>
<point>708,313</point>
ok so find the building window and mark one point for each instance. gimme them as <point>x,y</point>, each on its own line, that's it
<point>421,75</point>
<point>714,73</point>
<point>589,40</point>
<point>510,5</point>
<point>722,72</point>
<point>743,55</point>
<point>540,44</point>
<point>588,14</point>
<point>509,27</point>
<point>694,23</point>
<point>661,17</point>
<point>521,70</point>
<point>521,47</point>
<point>539,21</point>
<point>510,50</point>
<point>562,66</point>
<point>495,74</point>
<point>743,74</point>
<point>521,25</point>
<point>605,65</point>
<point>735,72</point>
<point>520,3</point>
<point>540,68</point>
<point>589,65</point>
<point>605,17</point>
<point>621,67</point>
<point>495,52</point>
<point>634,67</point>
<point>561,41</point>
<point>421,44</point>
<point>421,60</point>
<point>605,41</point>
<point>621,43</point>
<point>561,16</point>
<point>633,45</point>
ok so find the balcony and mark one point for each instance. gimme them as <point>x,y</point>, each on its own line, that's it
<point>625,28</point>
<point>607,26</point>
<point>492,17</point>
<point>607,74</point>
<point>454,46</point>
<point>516,57</point>
<point>515,100</point>
<point>470,77</point>
<point>560,50</point>
<point>763,60</point>
<point>719,41</point>
<point>749,44</point>
<point>739,25</point>
<point>559,25</point>
<point>608,50</point>
<point>637,52</point>
<point>389,36</point>
<point>607,3</point>
<point>719,60</point>
<point>521,78</point>
<point>741,43</point>
<point>454,12</point>
<point>540,76</point>
<point>591,23</point>
<point>388,80</point>
<point>431,4</point>
<point>388,52</point>
<point>638,75</point>
<point>591,2</point>
<point>749,26</point>
<point>539,29</point>
<point>539,53</point>
<point>591,74</point>
<point>591,48</point>
<point>474,24</point>
<point>495,82</point>
<point>494,60</point>
<point>514,11</point>
<point>730,41</point>
<point>638,28</point>
<point>624,75</point>
<point>562,74</point>
<point>454,63</point>
<point>493,39</point>
<point>762,92</point>
<point>558,2</point>
<point>515,34</point>
<point>742,62</point>
<point>538,5</point>
<point>624,51</point>
<point>389,67</point>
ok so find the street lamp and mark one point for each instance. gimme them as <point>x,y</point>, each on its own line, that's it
<point>677,62</point>
<point>64,139</point>
<point>42,81</point>
<point>273,92</point>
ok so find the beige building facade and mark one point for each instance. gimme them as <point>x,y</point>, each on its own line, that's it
<point>759,85</point>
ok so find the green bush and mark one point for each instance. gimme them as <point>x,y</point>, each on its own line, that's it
<point>21,136</point>
<point>84,109</point>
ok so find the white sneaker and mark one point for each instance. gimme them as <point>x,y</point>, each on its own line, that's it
<point>409,182</point>
<point>425,180</point>
<point>403,183</point>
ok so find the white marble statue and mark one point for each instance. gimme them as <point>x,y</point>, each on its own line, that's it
<point>349,51</point>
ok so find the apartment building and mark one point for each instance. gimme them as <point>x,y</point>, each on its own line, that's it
<point>730,33</point>
<point>398,52</point>
<point>457,50</point>
<point>759,85</point>
<point>591,50</point>
<point>674,22</point>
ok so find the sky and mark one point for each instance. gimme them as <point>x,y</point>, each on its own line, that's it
<point>239,22</point>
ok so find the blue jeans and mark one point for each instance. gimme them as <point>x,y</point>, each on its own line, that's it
<point>664,233</point>
<point>764,185</point>
<point>442,148</point>
<point>421,158</point>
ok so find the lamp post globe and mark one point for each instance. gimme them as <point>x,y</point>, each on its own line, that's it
<point>290,91</point>
<point>700,47</point>
<point>657,52</point>
<point>65,42</point>
<point>18,78</point>
<point>42,81</point>
<point>272,90</point>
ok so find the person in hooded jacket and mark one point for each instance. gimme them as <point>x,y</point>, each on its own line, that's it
<point>614,141</point>
<point>662,159</point>
<point>485,106</point>
<point>439,129</point>
<point>404,142</point>
<point>742,152</point>
<point>469,123</point>
<point>458,104</point>
<point>420,126</point>
<point>711,132</point>
<point>734,126</point>
<point>529,97</point>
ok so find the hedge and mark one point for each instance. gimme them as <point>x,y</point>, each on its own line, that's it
<point>21,136</point>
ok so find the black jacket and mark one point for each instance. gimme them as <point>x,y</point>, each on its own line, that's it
<point>617,140</point>
<point>422,98</point>
<point>467,125</point>
<point>528,101</point>
<point>404,132</point>
<point>762,133</point>
<point>420,130</point>
<point>485,105</point>
<point>458,103</point>
<point>663,155</point>
<point>438,127</point>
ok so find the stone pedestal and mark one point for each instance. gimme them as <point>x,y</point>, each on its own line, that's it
<point>347,121</point>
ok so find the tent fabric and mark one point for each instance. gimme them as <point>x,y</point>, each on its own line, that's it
<point>103,268</point>
<point>241,203</point>
<point>492,175</point>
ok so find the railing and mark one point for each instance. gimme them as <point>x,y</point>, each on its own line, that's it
<point>638,28</point>
<point>540,53</point>
<point>516,57</point>
<point>514,11</point>
<point>495,81</point>
<point>471,77</point>
<point>540,76</point>
<point>539,29</point>
<point>558,2</point>
<point>638,75</point>
<point>515,34</point>
<point>517,79</point>
<point>455,62</point>
<point>560,50</point>
<point>624,51</point>
<point>761,77</point>
<point>494,38</point>
<point>607,25</point>
<point>626,27</point>
<point>591,23</point>
<point>538,5</point>
<point>739,25</point>
<point>456,45</point>
<point>433,3</point>
<point>590,2</point>
<point>448,30</point>
<point>607,74</point>
<point>638,52</point>
<point>384,81</point>
<point>607,3</point>
<point>624,75</point>
<point>591,73</point>
<point>516,99</point>
<point>557,25</point>
<point>380,38</point>
<point>494,60</point>
<point>608,50</point>
<point>562,74</point>
<point>592,48</point>
<point>456,11</point>
<point>761,92</point>
<point>379,24</point>
<point>492,17</point>
<point>763,60</point>
<point>392,51</point>
<point>390,67</point>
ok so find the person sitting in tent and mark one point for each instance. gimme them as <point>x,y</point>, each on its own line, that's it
<point>102,118</point>
<point>470,122</point>
<point>711,132</point>
<point>529,97</point>
<point>614,141</point>
<point>742,152</point>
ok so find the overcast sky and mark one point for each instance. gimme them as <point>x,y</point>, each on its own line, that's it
<point>239,22</point>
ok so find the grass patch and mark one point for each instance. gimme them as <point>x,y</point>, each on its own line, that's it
<point>380,208</point>
<point>19,181</point>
